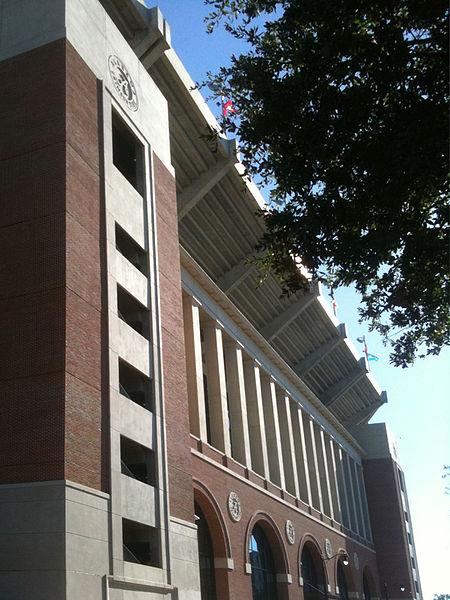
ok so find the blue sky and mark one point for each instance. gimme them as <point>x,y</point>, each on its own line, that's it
<point>418,410</point>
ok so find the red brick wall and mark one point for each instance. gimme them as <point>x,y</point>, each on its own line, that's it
<point>32,267</point>
<point>389,534</point>
<point>175,387</point>
<point>256,505</point>
<point>52,356</point>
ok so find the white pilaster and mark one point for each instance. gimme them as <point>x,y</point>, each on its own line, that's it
<point>272,427</point>
<point>287,443</point>
<point>301,456</point>
<point>217,389</point>
<point>240,444</point>
<point>193,345</point>
<point>255,415</point>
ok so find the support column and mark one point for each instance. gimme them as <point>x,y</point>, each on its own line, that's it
<point>351,493</point>
<point>240,444</point>
<point>334,490</point>
<point>301,457</point>
<point>365,506</point>
<point>323,470</point>
<point>311,453</point>
<point>362,525</point>
<point>287,443</point>
<point>217,390</point>
<point>194,367</point>
<point>343,490</point>
<point>272,426</point>
<point>255,416</point>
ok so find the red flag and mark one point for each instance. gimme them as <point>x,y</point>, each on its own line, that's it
<point>228,108</point>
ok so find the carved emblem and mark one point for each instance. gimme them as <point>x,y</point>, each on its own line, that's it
<point>234,506</point>
<point>328,548</point>
<point>123,82</point>
<point>290,532</point>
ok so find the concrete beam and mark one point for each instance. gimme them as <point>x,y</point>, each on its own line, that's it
<point>238,272</point>
<point>207,180</point>
<point>275,327</point>
<point>366,413</point>
<point>340,388</point>
<point>305,365</point>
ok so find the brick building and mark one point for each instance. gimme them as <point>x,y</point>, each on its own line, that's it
<point>168,429</point>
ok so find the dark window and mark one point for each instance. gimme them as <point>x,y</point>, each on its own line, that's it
<point>406,516</point>
<point>207,413</point>
<point>135,385</point>
<point>133,312</point>
<point>342,583</point>
<point>416,585</point>
<point>413,562</point>
<point>400,480</point>
<point>409,538</point>
<point>137,461</point>
<point>366,588</point>
<point>263,570</point>
<point>140,544</point>
<point>131,250</point>
<point>312,587</point>
<point>206,557</point>
<point>128,153</point>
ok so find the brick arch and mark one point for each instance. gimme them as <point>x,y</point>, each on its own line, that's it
<point>274,537</point>
<point>367,571</point>
<point>316,553</point>
<point>348,571</point>
<point>214,517</point>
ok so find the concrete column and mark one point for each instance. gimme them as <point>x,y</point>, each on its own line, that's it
<point>332,478</point>
<point>301,457</point>
<point>365,506</point>
<point>255,416</point>
<point>311,453</point>
<point>287,443</point>
<point>343,490</point>
<point>359,502</point>
<point>240,444</point>
<point>272,427</point>
<point>323,470</point>
<point>194,366</point>
<point>217,389</point>
<point>351,493</point>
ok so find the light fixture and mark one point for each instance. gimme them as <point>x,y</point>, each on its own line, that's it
<point>345,560</point>
<point>402,588</point>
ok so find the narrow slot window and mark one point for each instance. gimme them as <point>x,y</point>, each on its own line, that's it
<point>140,544</point>
<point>131,250</point>
<point>133,312</point>
<point>135,386</point>
<point>128,153</point>
<point>137,461</point>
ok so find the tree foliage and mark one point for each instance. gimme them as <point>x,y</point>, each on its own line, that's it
<point>343,111</point>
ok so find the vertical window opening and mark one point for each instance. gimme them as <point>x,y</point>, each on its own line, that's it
<point>135,386</point>
<point>128,153</point>
<point>137,461</point>
<point>206,557</point>
<point>140,544</point>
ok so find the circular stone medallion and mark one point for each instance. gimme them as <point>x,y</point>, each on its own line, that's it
<point>328,548</point>
<point>123,82</point>
<point>234,506</point>
<point>290,532</point>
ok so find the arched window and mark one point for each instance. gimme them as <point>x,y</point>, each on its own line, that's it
<point>342,583</point>
<point>312,586</point>
<point>366,588</point>
<point>264,584</point>
<point>206,557</point>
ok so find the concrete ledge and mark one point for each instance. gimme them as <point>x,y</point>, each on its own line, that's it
<point>129,583</point>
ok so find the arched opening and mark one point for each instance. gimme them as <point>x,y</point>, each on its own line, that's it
<point>342,582</point>
<point>369,587</point>
<point>366,588</point>
<point>205,556</point>
<point>311,569</point>
<point>264,585</point>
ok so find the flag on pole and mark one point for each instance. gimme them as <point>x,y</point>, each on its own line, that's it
<point>372,357</point>
<point>228,107</point>
<point>362,340</point>
<point>334,304</point>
